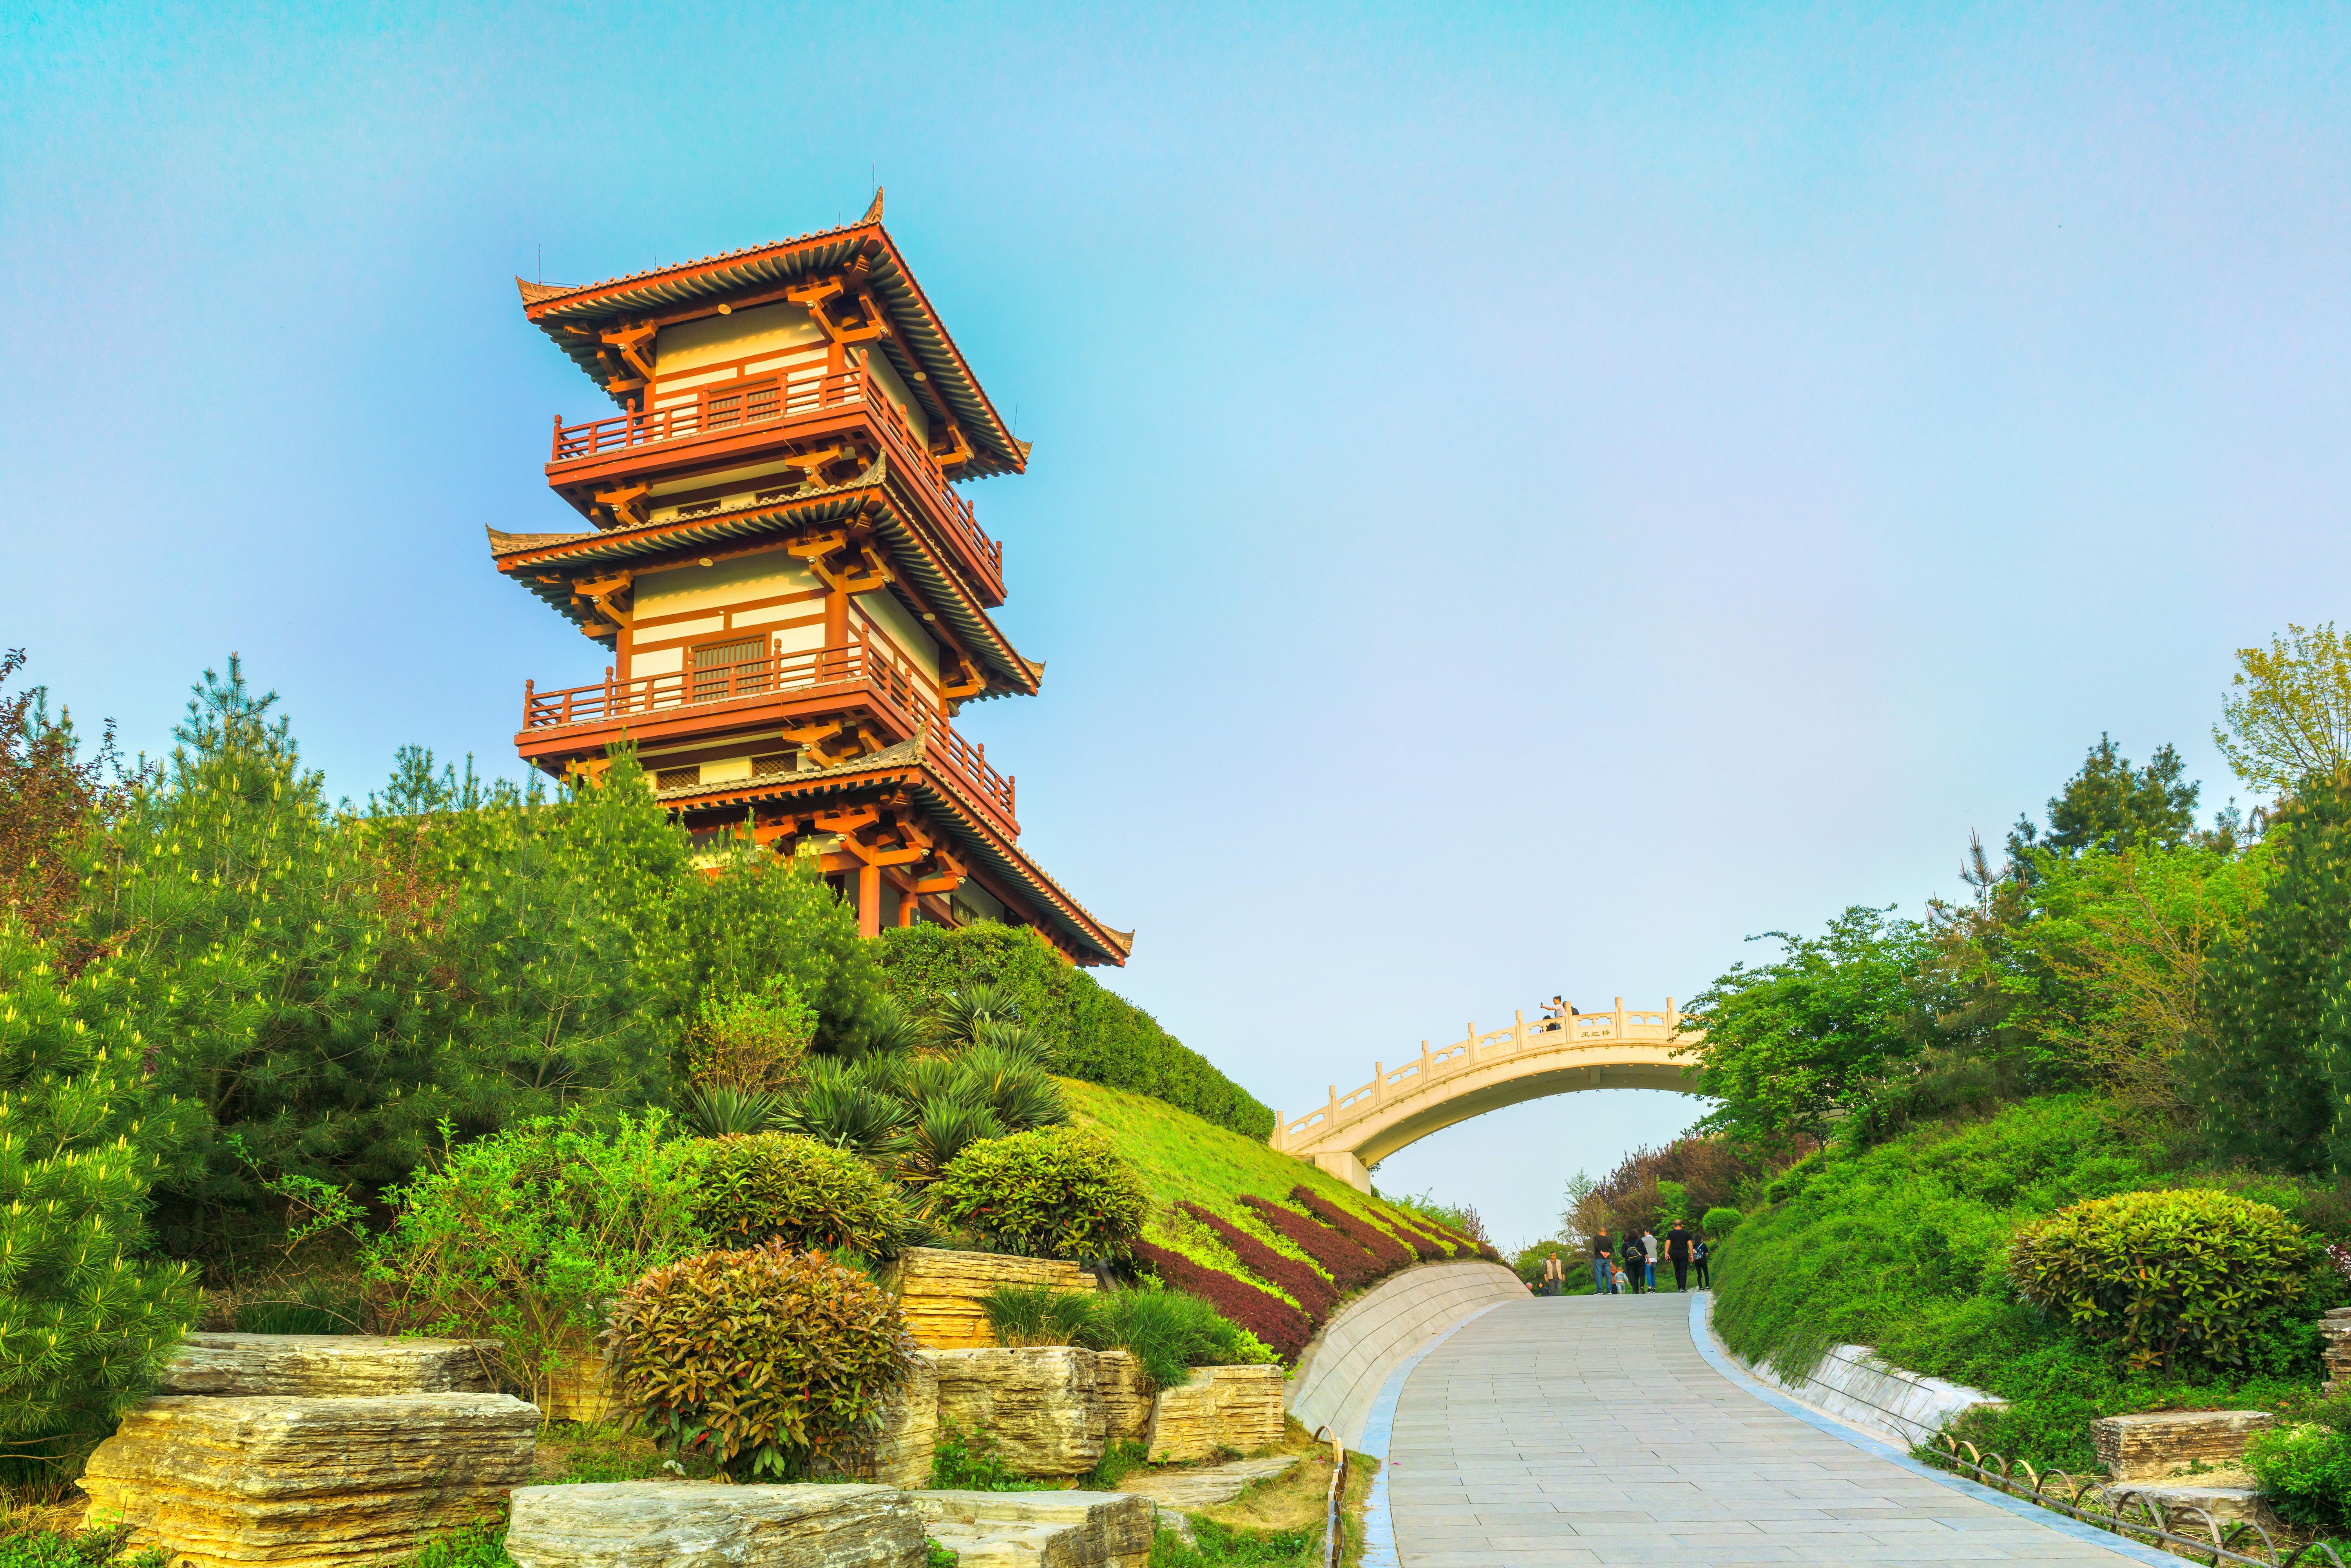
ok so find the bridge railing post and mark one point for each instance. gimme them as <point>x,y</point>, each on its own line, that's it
<point>1519,1029</point>
<point>1379,1083</point>
<point>1620,1018</point>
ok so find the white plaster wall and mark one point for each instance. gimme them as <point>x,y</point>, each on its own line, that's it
<point>714,339</point>
<point>885,376</point>
<point>903,629</point>
<point>1341,1371</point>
<point>1855,1384</point>
<point>686,588</point>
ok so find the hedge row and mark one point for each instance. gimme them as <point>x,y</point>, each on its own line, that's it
<point>1293,1279</point>
<point>1102,1037</point>
<point>1349,1267</point>
<point>1266,1315</point>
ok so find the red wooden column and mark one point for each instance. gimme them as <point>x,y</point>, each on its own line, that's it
<point>869,901</point>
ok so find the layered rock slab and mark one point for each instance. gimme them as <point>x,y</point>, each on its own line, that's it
<point>1040,1530</point>
<point>2164,1442</point>
<point>1234,1407</point>
<point>940,1291</point>
<point>1126,1403</point>
<point>1039,1407</point>
<point>671,1524</point>
<point>899,1450</point>
<point>220,1482</point>
<point>325,1366</point>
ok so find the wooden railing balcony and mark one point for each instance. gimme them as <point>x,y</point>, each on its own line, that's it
<point>873,665</point>
<point>777,404</point>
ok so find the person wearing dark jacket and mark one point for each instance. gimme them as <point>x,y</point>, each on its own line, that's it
<point>1631,1256</point>
<point>1602,1265</point>
<point>1677,1250</point>
<point>1699,1252</point>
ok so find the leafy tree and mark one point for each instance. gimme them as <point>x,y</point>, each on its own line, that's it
<point>2109,803</point>
<point>1792,1046</point>
<point>2289,709</point>
<point>51,797</point>
<point>2273,1071</point>
<point>86,1320</point>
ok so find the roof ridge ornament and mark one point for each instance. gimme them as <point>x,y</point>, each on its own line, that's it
<point>873,213</point>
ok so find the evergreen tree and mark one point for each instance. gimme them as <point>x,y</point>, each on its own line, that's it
<point>85,1320</point>
<point>2272,1077</point>
<point>2109,803</point>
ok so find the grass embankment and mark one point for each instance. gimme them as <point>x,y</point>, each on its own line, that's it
<point>1902,1248</point>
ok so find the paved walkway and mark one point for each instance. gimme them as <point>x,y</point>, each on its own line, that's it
<point>1588,1430</point>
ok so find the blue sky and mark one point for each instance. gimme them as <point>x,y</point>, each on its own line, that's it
<point>1524,498</point>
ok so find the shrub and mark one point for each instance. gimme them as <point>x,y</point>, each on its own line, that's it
<point>1272,1320</point>
<point>1296,1279</point>
<point>2168,1276</point>
<point>1384,1248</point>
<point>86,1320</point>
<point>797,1190</point>
<point>1349,1267</point>
<point>1168,1333</point>
<point>1037,1315</point>
<point>2304,1469</point>
<point>764,1360</point>
<point>1718,1223</point>
<point>1093,1034</point>
<point>526,1237</point>
<point>751,1042</point>
<point>1054,1193</point>
<point>972,1464</point>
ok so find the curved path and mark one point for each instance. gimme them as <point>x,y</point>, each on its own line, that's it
<point>1589,1430</point>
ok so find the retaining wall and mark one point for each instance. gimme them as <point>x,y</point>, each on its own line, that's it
<point>1341,1370</point>
<point>1855,1384</point>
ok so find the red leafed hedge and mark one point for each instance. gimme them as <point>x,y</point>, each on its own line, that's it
<point>1349,1266</point>
<point>1430,1249</point>
<point>1302,1285</point>
<point>1271,1319</point>
<point>1390,1252</point>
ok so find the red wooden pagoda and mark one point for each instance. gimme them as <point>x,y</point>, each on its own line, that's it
<point>794,594</point>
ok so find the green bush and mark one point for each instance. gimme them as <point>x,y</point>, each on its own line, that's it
<point>526,1237</point>
<point>86,1318</point>
<point>1168,1333</point>
<point>2304,1469</point>
<point>1037,1315</point>
<point>765,1361</point>
<point>797,1190</point>
<point>1718,1223</point>
<point>1093,1034</point>
<point>2168,1277</point>
<point>1054,1193</point>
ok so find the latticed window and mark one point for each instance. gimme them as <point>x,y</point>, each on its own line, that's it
<point>740,404</point>
<point>771,767</point>
<point>723,670</point>
<point>678,777</point>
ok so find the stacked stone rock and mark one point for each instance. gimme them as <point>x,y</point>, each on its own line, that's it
<point>2336,1329</point>
<point>311,1451</point>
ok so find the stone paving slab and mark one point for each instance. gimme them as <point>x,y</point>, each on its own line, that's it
<point>1587,1430</point>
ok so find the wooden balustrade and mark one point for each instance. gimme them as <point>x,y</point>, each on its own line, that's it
<point>1476,1050</point>
<point>783,401</point>
<point>867,661</point>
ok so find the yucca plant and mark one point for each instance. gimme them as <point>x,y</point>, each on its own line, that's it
<point>1022,1094</point>
<point>723,1110</point>
<point>1013,1039</point>
<point>960,1013</point>
<point>842,1114</point>
<point>945,1127</point>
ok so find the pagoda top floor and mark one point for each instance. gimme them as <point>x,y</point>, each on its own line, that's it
<point>647,337</point>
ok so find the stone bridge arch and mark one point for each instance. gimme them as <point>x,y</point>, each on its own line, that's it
<point>1625,1049</point>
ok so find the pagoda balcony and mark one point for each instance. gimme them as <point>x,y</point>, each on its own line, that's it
<point>738,423</point>
<point>859,678</point>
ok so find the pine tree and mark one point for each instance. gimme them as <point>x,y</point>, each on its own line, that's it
<point>2272,1080</point>
<point>86,1320</point>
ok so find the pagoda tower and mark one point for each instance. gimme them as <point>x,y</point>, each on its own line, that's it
<point>793,593</point>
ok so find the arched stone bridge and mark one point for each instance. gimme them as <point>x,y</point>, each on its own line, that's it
<point>1625,1048</point>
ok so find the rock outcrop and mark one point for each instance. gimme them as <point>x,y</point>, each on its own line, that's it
<point>2165,1442</point>
<point>905,1438</point>
<point>1126,1408</point>
<point>1234,1407</point>
<point>2335,1328</point>
<point>1206,1486</point>
<point>581,1388</point>
<point>940,1291</point>
<point>1039,1405</point>
<point>223,1482</point>
<point>674,1524</point>
<point>1038,1528</point>
<point>325,1366</point>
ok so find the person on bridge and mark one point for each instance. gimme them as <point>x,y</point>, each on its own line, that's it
<point>1648,1259</point>
<point>1603,1266</point>
<point>1678,1249</point>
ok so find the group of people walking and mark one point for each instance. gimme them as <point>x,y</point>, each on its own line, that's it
<point>1629,1267</point>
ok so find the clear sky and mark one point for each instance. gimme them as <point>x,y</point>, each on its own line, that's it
<point>1523,498</point>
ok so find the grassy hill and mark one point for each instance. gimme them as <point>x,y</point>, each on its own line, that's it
<point>1181,1157</point>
